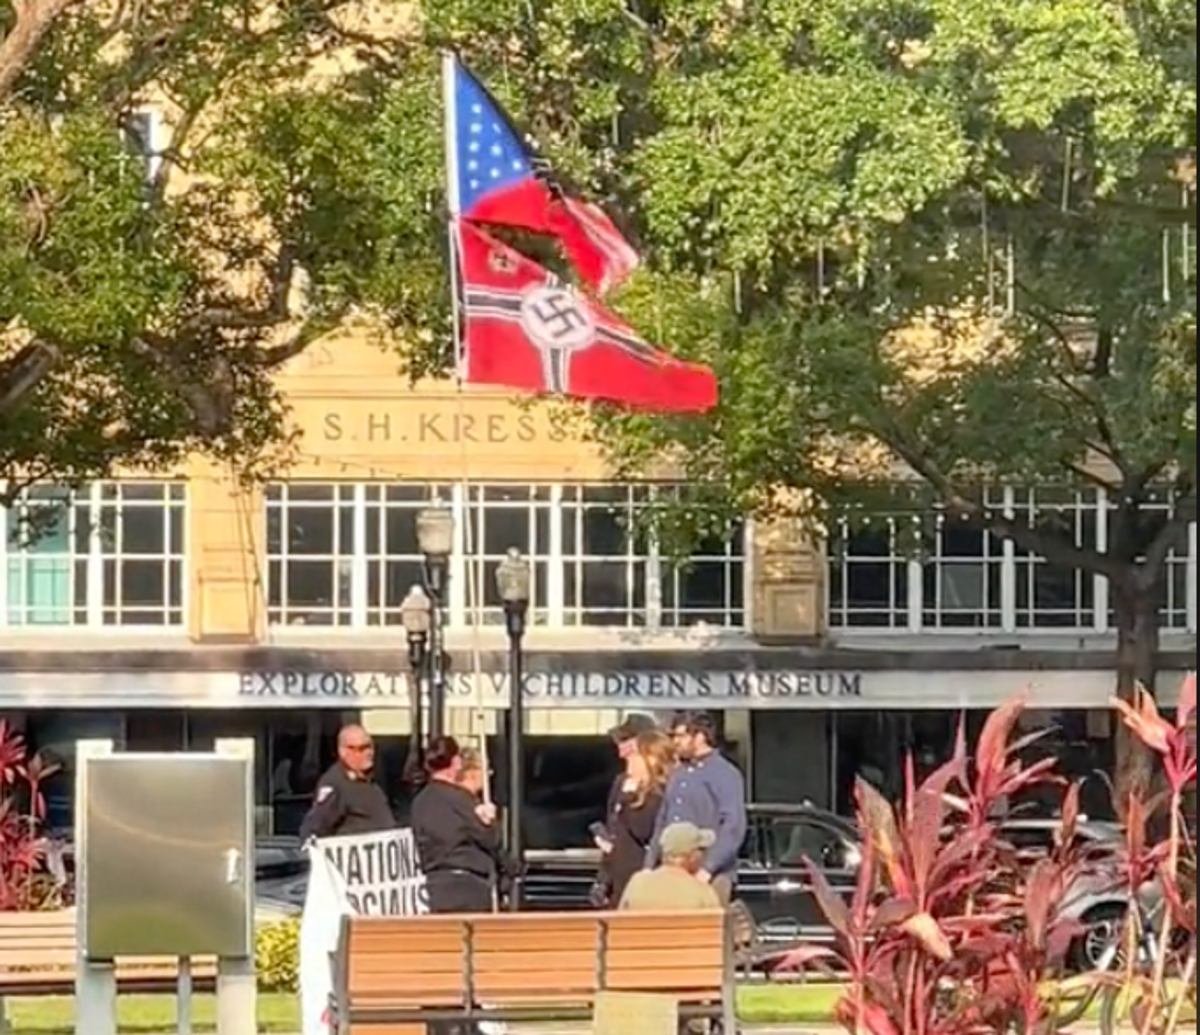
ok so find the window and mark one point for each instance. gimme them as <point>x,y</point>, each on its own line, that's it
<point>346,555</point>
<point>1177,589</point>
<point>929,572</point>
<point>605,568</point>
<point>868,580</point>
<point>393,562</point>
<point>310,554</point>
<point>502,518</point>
<point>796,840</point>
<point>1050,597</point>
<point>960,577</point>
<point>111,554</point>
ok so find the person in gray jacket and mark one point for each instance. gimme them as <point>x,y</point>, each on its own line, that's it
<point>706,790</point>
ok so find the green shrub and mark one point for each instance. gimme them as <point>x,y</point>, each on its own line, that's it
<point>277,956</point>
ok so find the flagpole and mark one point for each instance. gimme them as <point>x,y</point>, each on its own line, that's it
<point>473,565</point>
<point>453,203</point>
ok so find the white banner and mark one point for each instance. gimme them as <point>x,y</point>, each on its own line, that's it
<point>363,875</point>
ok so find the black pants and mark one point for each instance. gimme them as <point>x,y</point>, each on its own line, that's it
<point>456,891</point>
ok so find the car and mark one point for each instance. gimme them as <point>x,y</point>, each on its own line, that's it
<point>776,886</point>
<point>1098,899</point>
<point>773,882</point>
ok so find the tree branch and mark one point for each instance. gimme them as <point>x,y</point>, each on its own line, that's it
<point>312,330</point>
<point>275,312</point>
<point>1172,534</point>
<point>1028,537</point>
<point>35,18</point>
<point>22,373</point>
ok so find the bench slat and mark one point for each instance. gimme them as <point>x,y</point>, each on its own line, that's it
<point>530,960</point>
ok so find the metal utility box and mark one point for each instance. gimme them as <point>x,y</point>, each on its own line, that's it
<point>165,857</point>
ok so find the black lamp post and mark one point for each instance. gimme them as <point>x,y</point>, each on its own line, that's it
<point>435,540</point>
<point>416,615</point>
<point>513,581</point>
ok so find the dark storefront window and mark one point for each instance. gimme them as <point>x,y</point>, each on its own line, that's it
<point>874,746</point>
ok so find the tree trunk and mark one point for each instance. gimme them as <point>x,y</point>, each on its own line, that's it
<point>1136,608</point>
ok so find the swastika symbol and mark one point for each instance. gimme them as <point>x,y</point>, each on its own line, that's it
<point>554,319</point>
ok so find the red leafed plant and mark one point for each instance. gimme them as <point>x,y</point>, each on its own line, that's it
<point>22,809</point>
<point>1158,990</point>
<point>950,930</point>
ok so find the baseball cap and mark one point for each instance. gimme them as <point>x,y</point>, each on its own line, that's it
<point>685,838</point>
<point>631,726</point>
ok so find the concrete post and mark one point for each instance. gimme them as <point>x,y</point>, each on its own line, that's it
<point>95,980</point>
<point>237,985</point>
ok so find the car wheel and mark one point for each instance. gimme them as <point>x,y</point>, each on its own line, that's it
<point>1105,925</point>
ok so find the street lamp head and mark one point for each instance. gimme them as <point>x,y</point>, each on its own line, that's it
<point>435,532</point>
<point>514,579</point>
<point>416,614</point>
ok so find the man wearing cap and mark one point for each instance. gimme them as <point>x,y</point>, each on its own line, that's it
<point>673,885</point>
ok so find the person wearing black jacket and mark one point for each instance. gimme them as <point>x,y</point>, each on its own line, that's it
<point>348,800</point>
<point>456,835</point>
<point>633,806</point>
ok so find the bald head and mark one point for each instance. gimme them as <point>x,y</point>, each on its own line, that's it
<point>355,750</point>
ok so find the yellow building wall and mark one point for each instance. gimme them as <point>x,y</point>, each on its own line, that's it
<point>357,418</point>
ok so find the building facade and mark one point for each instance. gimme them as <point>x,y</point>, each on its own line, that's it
<point>165,613</point>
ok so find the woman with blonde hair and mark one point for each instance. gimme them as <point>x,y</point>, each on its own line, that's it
<point>633,809</point>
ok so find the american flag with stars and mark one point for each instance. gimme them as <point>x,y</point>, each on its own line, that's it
<point>497,179</point>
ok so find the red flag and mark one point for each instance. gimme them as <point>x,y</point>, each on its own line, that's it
<point>523,329</point>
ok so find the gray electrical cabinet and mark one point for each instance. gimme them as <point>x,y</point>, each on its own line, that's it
<point>165,857</point>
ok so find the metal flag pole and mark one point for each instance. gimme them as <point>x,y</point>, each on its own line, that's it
<point>473,563</point>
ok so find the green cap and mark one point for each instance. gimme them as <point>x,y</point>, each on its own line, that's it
<point>684,838</point>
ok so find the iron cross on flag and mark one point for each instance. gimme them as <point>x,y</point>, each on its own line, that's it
<point>524,329</point>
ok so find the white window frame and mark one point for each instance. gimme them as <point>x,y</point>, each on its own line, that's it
<point>1011,570</point>
<point>93,496</point>
<point>457,496</point>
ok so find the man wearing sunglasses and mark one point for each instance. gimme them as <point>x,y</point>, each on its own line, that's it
<point>348,800</point>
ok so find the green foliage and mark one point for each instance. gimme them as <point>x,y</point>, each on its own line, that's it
<point>163,293</point>
<point>807,178</point>
<point>277,956</point>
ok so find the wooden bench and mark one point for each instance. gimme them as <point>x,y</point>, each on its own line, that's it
<point>39,956</point>
<point>394,975</point>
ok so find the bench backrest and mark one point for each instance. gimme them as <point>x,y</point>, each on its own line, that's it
<point>31,942</point>
<point>45,940</point>
<point>531,958</point>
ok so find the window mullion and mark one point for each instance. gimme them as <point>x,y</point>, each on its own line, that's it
<point>359,564</point>
<point>555,563</point>
<point>654,574</point>
<point>1008,569</point>
<point>460,564</point>
<point>916,581</point>
<point>1100,583</point>
<point>95,559</point>
<point>1191,579</point>
<point>6,530</point>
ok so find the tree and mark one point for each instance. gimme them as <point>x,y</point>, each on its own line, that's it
<point>948,241</point>
<point>144,304</point>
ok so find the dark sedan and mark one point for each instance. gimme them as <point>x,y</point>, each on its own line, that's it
<point>772,879</point>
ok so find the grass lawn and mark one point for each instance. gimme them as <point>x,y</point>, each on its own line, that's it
<point>146,1014</point>
<point>782,1004</point>
<point>280,1014</point>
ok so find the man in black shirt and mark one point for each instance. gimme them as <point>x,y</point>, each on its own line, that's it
<point>347,800</point>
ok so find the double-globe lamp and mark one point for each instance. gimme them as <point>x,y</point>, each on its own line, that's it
<point>514,579</point>
<point>435,540</point>
<point>416,615</point>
